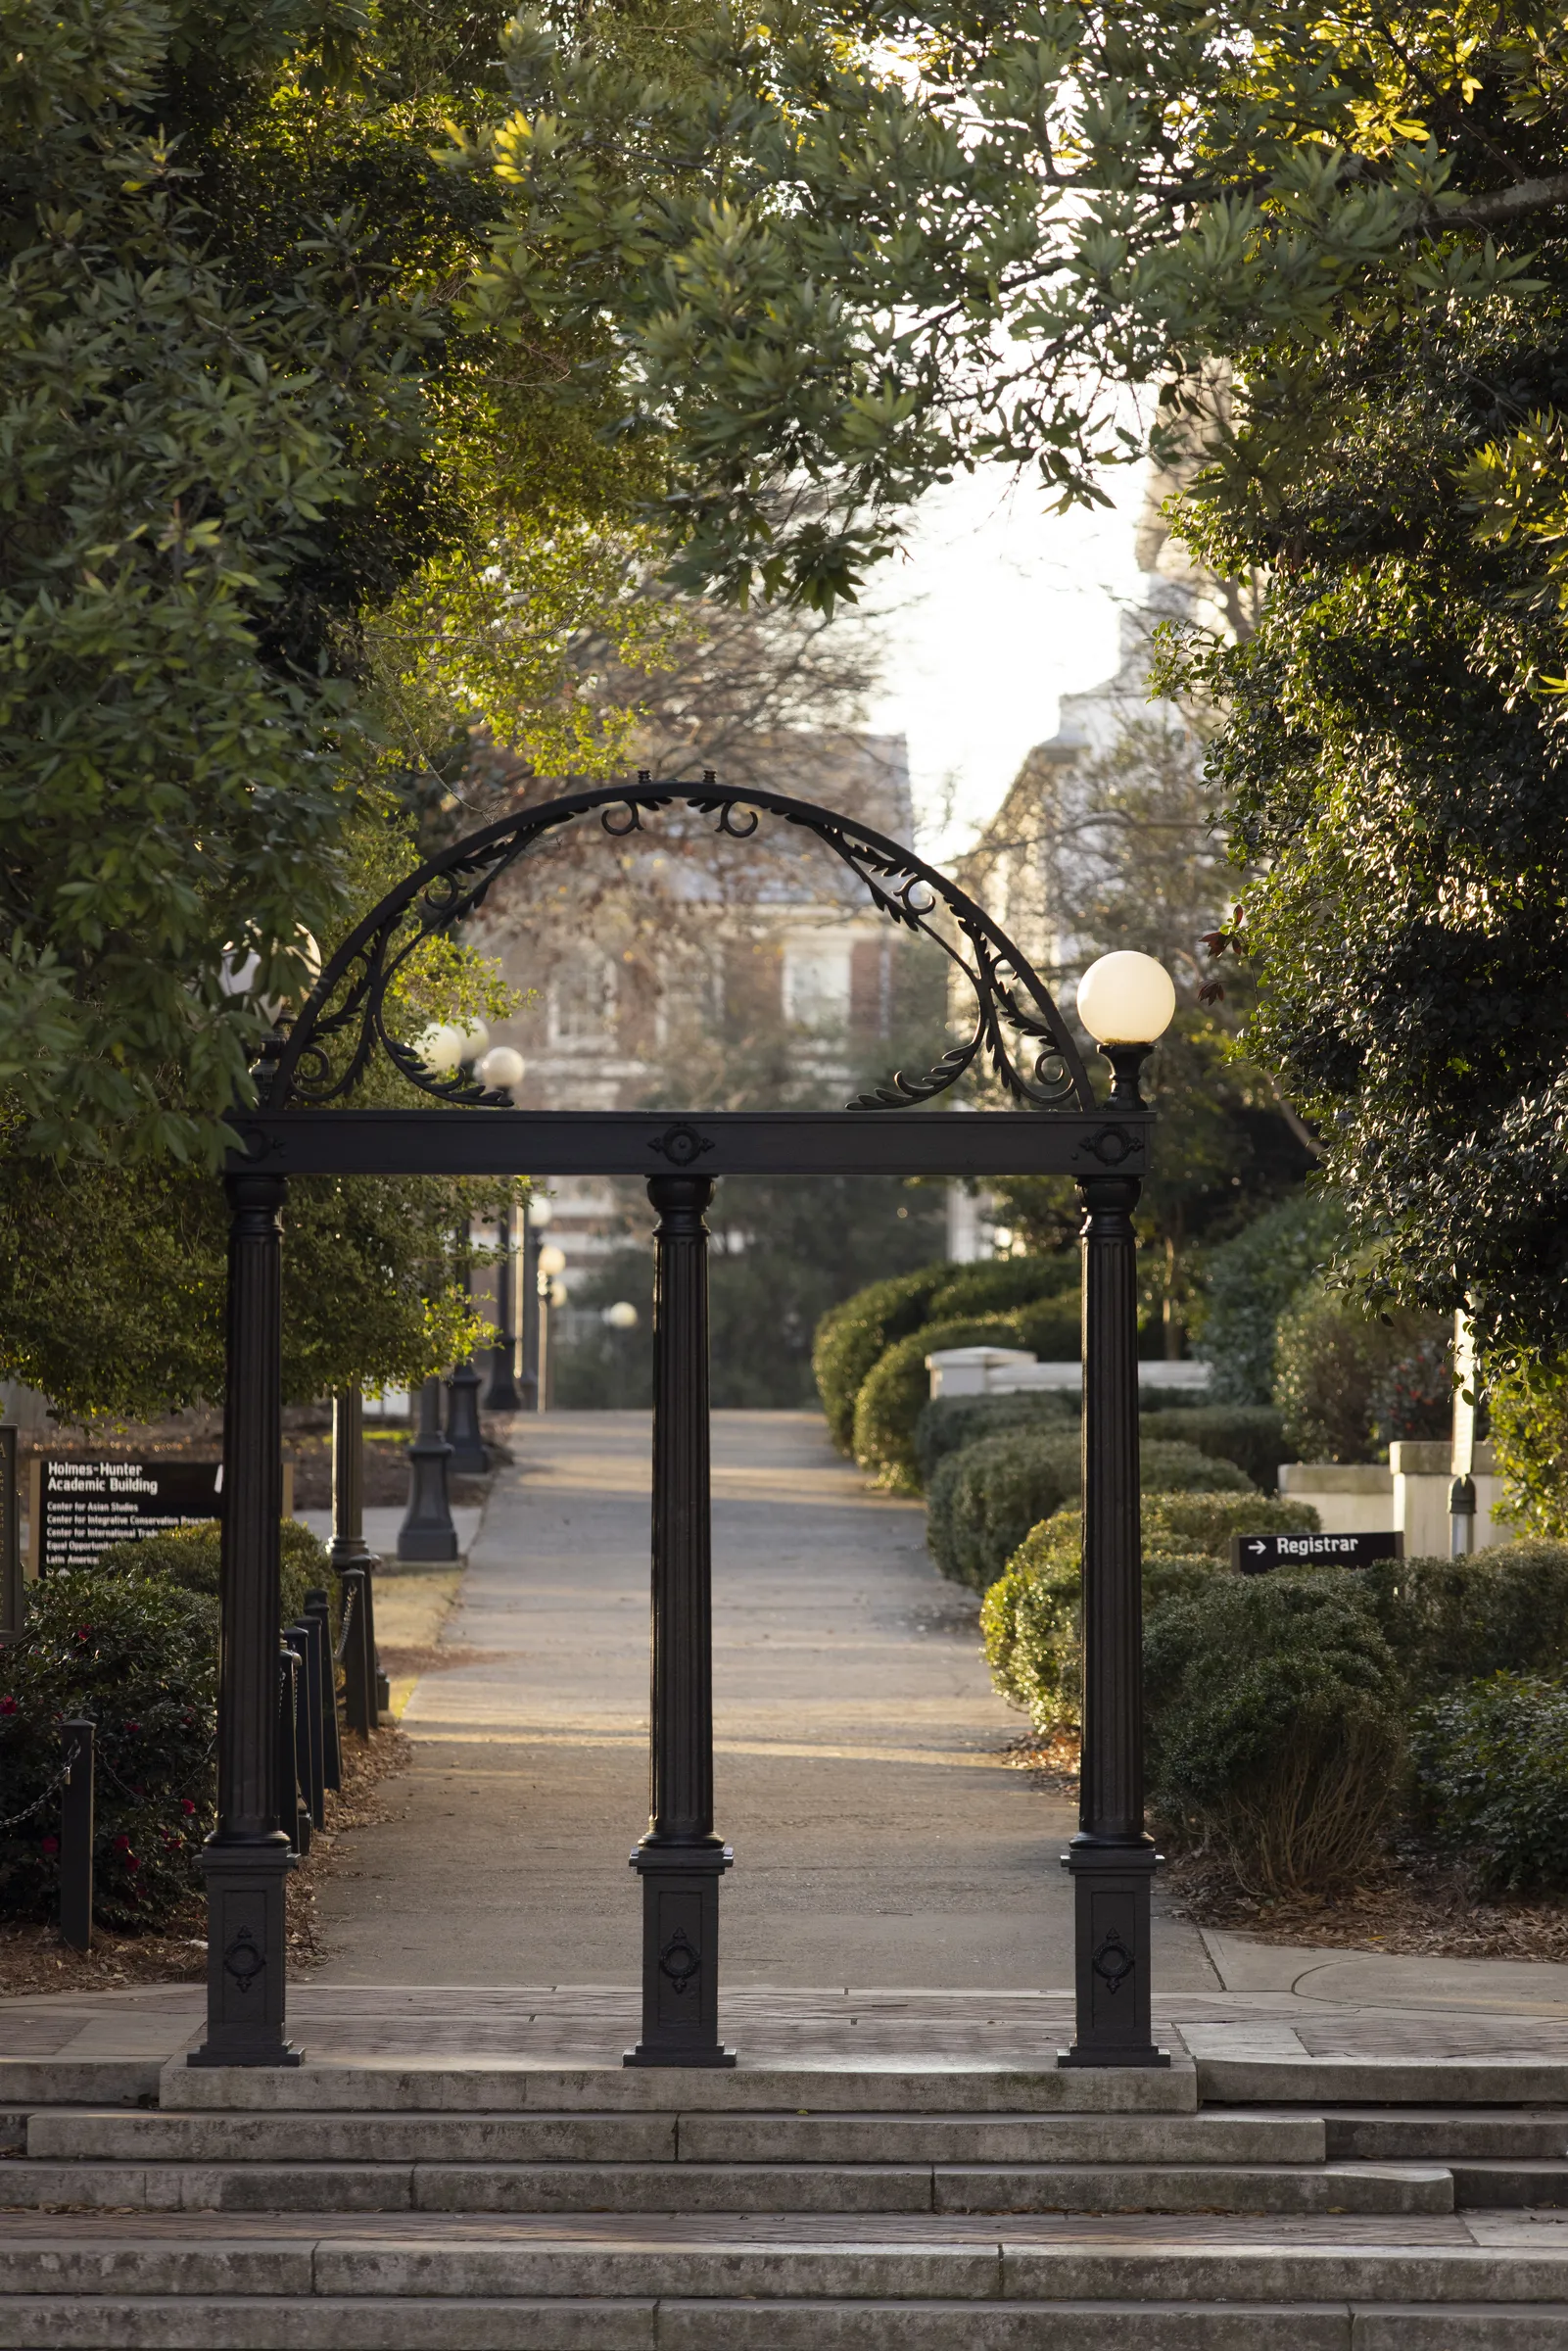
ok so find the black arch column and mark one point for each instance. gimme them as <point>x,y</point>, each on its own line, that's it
<point>1112,1858</point>
<point>680,1859</point>
<point>247,1857</point>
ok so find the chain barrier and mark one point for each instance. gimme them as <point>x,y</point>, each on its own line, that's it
<point>352,1602</point>
<point>52,1789</point>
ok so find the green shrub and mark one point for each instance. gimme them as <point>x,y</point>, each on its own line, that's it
<point>1491,1781</point>
<point>1000,1285</point>
<point>189,1560</point>
<point>1250,1281</point>
<point>1177,1524</point>
<point>1275,1727</point>
<point>1032,1622</point>
<point>1450,1621</point>
<point>1529,1409</point>
<point>895,1392</point>
<point>1333,1360</point>
<point>139,1656</point>
<point>1251,1435</point>
<point>853,1335</point>
<point>947,1423</point>
<point>1051,1329</point>
<point>984,1501</point>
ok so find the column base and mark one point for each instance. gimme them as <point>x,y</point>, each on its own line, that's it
<point>681,1955</point>
<point>247,1944</point>
<point>1111,1886</point>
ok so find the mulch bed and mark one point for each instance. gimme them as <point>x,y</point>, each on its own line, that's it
<point>1416,1907</point>
<point>32,1958</point>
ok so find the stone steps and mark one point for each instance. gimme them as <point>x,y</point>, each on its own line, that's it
<point>733,2188</point>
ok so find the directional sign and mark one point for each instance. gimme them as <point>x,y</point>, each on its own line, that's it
<point>1256,1555</point>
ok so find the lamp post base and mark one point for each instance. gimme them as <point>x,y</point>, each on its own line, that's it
<point>246,1945</point>
<point>681,1954</point>
<point>1111,1886</point>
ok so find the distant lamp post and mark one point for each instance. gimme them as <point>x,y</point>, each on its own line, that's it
<point>428,1531</point>
<point>470,1455</point>
<point>1461,1494</point>
<point>536,1219</point>
<point>1125,1001</point>
<point>551,1265</point>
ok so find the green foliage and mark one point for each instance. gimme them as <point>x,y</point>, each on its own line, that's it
<point>999,1285</point>
<point>1197,1520</point>
<point>898,1385</point>
<point>1250,1435</point>
<point>1529,1407</point>
<point>1449,1621</point>
<point>1275,1730</point>
<point>1032,1622</point>
<point>139,1657</point>
<point>1490,1774</point>
<point>1046,206</point>
<point>985,1500</point>
<point>1334,1358</point>
<point>188,1560</point>
<point>247,446</point>
<point>851,1337</point>
<point>948,1423</point>
<point>1250,1281</point>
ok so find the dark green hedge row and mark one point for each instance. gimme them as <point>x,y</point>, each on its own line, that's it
<point>132,1644</point>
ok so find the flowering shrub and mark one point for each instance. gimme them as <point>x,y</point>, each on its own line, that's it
<point>139,1657</point>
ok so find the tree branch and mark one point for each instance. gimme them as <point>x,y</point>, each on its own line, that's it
<point>1506,204</point>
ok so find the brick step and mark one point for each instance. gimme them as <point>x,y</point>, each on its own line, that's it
<point>1446,2135</point>
<point>77,2135</point>
<point>333,2323</point>
<point>699,2187</point>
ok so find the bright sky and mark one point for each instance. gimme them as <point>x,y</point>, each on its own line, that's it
<point>997,609</point>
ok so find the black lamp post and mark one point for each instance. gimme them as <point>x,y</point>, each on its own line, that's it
<point>1125,1001</point>
<point>427,1531</point>
<point>470,1457</point>
<point>535,1225</point>
<point>502,1395</point>
<point>353,1563</point>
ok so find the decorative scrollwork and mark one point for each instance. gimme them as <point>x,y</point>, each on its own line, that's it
<point>1016,1031</point>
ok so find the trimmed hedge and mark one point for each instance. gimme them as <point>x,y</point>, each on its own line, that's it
<point>852,1336</point>
<point>896,1390</point>
<point>189,1560</point>
<point>139,1656</point>
<point>947,1423</point>
<point>1176,1522</point>
<point>984,1501</point>
<point>1491,1781</point>
<point>1032,1619</point>
<point>1452,1621</point>
<point>1277,1730</point>
<point>1252,1435</point>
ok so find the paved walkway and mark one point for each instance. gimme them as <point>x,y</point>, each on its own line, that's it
<point>881,1836</point>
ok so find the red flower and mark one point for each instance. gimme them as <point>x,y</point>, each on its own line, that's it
<point>133,1726</point>
<point>8,1705</point>
<point>122,1843</point>
<point>186,1806</point>
<point>51,1844</point>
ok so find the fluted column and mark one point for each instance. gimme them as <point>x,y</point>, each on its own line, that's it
<point>681,1860</point>
<point>247,1857</point>
<point>1112,1857</point>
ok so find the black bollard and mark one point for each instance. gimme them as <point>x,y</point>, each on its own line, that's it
<point>294,1814</point>
<point>304,1636</point>
<point>318,1612</point>
<point>76,1836</point>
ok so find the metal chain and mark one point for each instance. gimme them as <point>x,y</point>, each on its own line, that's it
<point>39,1801</point>
<point>352,1602</point>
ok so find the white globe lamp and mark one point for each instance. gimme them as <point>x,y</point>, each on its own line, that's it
<point>502,1068</point>
<point>1126,1000</point>
<point>541,1209</point>
<point>622,1316</point>
<point>551,1261</point>
<point>440,1048</point>
<point>476,1038</point>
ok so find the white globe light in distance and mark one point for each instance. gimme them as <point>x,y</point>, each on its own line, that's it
<point>622,1316</point>
<point>541,1209</point>
<point>551,1261</point>
<point>558,1293</point>
<point>475,1034</point>
<point>1126,1000</point>
<point>503,1067</point>
<point>441,1048</point>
